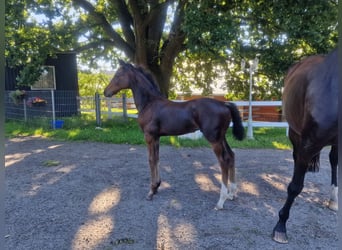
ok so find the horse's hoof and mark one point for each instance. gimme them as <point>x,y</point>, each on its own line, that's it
<point>280,237</point>
<point>333,205</point>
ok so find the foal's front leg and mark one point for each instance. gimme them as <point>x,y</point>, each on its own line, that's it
<point>153,158</point>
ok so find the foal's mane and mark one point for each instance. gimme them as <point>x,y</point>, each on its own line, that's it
<point>148,82</point>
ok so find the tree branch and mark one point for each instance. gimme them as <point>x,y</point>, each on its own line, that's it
<point>174,44</point>
<point>140,56</point>
<point>108,29</point>
<point>126,21</point>
<point>154,23</point>
<point>92,45</point>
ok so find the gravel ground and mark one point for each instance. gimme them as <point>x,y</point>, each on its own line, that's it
<point>84,195</point>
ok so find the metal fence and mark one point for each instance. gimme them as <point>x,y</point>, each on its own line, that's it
<point>54,105</point>
<point>42,106</point>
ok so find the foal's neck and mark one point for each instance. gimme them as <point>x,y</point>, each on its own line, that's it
<point>143,95</point>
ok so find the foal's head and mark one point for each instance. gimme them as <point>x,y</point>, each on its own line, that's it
<point>127,76</point>
<point>121,79</point>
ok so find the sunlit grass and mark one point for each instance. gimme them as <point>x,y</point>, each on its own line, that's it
<point>279,145</point>
<point>119,131</point>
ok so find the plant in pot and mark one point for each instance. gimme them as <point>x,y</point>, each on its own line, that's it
<point>36,102</point>
<point>17,96</point>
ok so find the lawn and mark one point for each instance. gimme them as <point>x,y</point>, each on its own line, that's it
<point>119,131</point>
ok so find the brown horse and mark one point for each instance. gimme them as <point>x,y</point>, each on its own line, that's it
<point>310,104</point>
<point>159,116</point>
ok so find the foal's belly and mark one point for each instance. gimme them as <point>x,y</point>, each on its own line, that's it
<point>177,124</point>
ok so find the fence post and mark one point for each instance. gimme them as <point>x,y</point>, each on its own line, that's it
<point>124,106</point>
<point>97,109</point>
<point>109,107</point>
<point>25,110</point>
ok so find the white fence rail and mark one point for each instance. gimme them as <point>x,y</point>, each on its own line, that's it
<point>262,104</point>
<point>110,107</point>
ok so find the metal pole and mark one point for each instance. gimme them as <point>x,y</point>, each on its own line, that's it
<point>53,109</point>
<point>25,110</point>
<point>250,117</point>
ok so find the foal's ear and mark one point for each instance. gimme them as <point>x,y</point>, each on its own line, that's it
<point>121,62</point>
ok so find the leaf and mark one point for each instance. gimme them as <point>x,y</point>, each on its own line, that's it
<point>123,241</point>
<point>51,163</point>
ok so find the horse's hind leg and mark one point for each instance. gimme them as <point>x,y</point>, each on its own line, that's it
<point>333,157</point>
<point>153,158</point>
<point>293,190</point>
<point>225,157</point>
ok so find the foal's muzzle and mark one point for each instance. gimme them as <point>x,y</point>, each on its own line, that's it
<point>107,93</point>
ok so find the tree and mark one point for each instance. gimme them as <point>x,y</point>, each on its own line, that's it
<point>196,41</point>
<point>89,83</point>
<point>281,32</point>
<point>141,35</point>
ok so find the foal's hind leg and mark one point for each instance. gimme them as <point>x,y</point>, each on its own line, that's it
<point>230,160</point>
<point>333,157</point>
<point>225,157</point>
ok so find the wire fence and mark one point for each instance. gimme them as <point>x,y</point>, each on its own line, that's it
<point>52,106</point>
<point>41,106</point>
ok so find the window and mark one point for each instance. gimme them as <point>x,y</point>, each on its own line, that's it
<point>47,79</point>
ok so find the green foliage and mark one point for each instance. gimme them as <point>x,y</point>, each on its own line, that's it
<point>221,34</point>
<point>29,41</point>
<point>201,42</point>
<point>90,83</point>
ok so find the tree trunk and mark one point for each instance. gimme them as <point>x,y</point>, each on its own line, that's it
<point>143,39</point>
<point>152,52</point>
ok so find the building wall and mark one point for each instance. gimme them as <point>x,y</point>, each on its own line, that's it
<point>66,85</point>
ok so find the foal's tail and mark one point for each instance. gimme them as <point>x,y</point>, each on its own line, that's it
<point>238,130</point>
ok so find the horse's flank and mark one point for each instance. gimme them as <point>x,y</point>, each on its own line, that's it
<point>296,84</point>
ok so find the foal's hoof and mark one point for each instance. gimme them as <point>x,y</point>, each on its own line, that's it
<point>333,205</point>
<point>231,196</point>
<point>153,191</point>
<point>149,197</point>
<point>217,207</point>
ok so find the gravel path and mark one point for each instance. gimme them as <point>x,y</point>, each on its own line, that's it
<point>84,195</point>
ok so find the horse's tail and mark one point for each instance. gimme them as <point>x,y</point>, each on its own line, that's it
<point>314,164</point>
<point>238,129</point>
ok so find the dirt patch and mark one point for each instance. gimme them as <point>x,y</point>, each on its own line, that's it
<point>83,195</point>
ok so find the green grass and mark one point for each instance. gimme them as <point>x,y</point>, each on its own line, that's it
<point>118,131</point>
